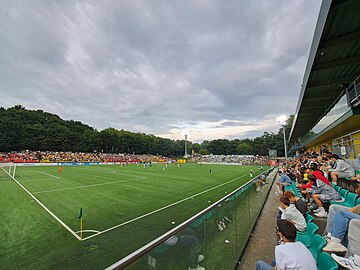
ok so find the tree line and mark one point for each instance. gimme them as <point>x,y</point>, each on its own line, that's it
<point>22,129</point>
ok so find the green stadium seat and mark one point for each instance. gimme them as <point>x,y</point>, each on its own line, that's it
<point>317,244</point>
<point>292,188</point>
<point>337,187</point>
<point>306,237</point>
<point>350,199</point>
<point>295,190</point>
<point>326,262</point>
<point>343,193</point>
<point>309,218</point>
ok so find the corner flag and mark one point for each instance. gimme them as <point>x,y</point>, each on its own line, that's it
<point>80,217</point>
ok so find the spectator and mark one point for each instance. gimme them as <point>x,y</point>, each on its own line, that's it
<point>330,218</point>
<point>356,178</point>
<point>341,169</point>
<point>291,254</point>
<point>289,212</point>
<point>318,173</point>
<point>283,181</point>
<point>299,204</point>
<point>353,247</point>
<point>320,193</point>
<point>331,215</point>
<point>324,149</point>
<point>340,228</point>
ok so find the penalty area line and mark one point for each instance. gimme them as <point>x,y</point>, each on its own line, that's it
<point>163,208</point>
<point>43,206</point>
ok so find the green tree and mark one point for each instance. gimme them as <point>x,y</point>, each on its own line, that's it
<point>203,151</point>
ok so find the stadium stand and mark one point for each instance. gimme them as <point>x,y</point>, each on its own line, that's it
<point>51,157</point>
<point>311,238</point>
<point>235,159</point>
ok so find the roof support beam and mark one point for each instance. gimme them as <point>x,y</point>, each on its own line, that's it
<point>342,62</point>
<point>339,40</point>
<point>319,95</point>
<point>348,79</point>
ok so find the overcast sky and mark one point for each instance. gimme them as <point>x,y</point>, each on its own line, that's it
<point>221,69</point>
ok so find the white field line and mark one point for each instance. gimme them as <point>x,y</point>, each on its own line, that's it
<point>46,209</point>
<point>49,174</point>
<point>162,208</point>
<point>95,231</point>
<point>93,185</point>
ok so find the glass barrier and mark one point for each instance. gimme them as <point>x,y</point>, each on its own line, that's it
<point>335,113</point>
<point>215,239</point>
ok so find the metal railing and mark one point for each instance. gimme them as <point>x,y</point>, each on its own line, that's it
<point>353,93</point>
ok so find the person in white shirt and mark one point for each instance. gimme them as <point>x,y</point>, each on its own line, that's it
<point>289,254</point>
<point>290,212</point>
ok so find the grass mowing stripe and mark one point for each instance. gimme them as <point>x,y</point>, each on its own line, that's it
<point>94,185</point>
<point>36,180</point>
<point>49,174</point>
<point>163,208</point>
<point>121,172</point>
<point>43,206</point>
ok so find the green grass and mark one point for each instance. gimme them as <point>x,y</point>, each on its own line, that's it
<point>109,195</point>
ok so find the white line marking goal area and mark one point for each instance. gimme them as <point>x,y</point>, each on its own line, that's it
<point>96,232</point>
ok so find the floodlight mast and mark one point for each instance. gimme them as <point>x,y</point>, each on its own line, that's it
<point>186,132</point>
<point>282,122</point>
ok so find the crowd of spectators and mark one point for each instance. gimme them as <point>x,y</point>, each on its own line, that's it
<point>240,159</point>
<point>51,156</point>
<point>313,176</point>
<point>54,157</point>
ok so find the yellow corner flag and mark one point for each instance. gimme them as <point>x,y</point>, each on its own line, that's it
<point>80,217</point>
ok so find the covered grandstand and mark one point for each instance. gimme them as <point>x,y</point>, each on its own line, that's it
<point>328,110</point>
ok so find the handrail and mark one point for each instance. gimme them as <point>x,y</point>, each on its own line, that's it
<point>129,259</point>
<point>353,93</point>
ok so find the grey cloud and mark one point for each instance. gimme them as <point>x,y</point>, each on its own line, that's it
<point>151,65</point>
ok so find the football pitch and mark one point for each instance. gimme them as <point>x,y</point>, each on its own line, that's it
<point>124,207</point>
